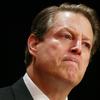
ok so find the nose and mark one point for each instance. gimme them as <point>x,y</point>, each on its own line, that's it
<point>76,48</point>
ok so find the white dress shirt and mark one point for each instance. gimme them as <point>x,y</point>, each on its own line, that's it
<point>35,92</point>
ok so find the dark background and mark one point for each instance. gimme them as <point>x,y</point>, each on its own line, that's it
<point>17,21</point>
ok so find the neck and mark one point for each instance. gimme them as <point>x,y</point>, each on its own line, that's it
<point>54,88</point>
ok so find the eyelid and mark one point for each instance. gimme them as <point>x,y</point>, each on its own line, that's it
<point>63,33</point>
<point>66,33</point>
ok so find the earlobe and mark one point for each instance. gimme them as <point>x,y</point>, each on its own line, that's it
<point>32,44</point>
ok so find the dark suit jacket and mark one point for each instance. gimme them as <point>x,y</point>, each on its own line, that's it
<point>17,91</point>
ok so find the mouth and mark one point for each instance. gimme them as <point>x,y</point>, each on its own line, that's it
<point>72,64</point>
<point>71,60</point>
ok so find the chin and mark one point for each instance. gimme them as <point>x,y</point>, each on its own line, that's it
<point>73,79</point>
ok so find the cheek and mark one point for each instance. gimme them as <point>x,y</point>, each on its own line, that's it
<point>54,48</point>
<point>50,52</point>
<point>86,58</point>
<point>85,62</point>
<point>49,56</point>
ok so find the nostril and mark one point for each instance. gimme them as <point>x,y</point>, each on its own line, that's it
<point>76,50</point>
<point>76,47</point>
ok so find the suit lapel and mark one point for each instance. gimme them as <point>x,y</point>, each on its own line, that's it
<point>20,91</point>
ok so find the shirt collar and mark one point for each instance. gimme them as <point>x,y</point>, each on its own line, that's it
<point>35,92</point>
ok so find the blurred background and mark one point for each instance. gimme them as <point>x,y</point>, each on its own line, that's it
<point>18,16</point>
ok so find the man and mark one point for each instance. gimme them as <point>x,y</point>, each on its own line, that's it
<point>59,49</point>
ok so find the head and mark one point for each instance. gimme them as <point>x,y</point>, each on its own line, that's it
<point>62,41</point>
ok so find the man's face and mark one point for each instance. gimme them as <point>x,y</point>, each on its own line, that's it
<point>65,52</point>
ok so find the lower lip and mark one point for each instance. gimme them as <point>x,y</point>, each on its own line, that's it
<point>71,63</point>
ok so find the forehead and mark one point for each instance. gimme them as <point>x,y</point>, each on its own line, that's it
<point>75,21</point>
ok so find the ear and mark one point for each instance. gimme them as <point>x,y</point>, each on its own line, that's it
<point>32,44</point>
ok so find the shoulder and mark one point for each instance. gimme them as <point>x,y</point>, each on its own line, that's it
<point>12,92</point>
<point>18,91</point>
<point>6,93</point>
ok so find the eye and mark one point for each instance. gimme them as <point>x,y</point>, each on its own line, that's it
<point>86,44</point>
<point>64,35</point>
<point>68,36</point>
